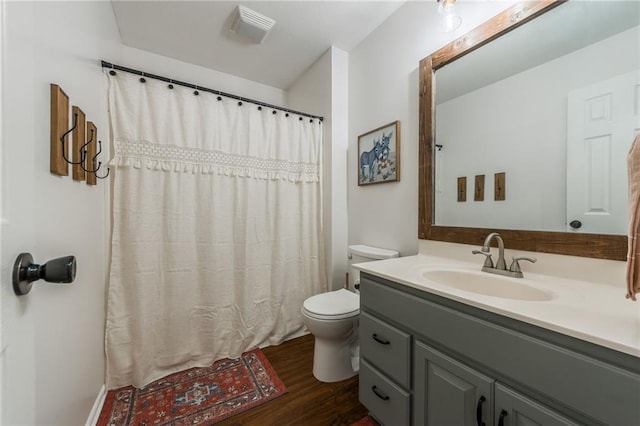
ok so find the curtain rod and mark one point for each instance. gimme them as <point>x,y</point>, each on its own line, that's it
<point>109,65</point>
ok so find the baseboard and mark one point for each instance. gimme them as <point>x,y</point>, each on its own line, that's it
<point>94,414</point>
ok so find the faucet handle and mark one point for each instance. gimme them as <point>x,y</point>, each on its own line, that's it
<point>515,266</point>
<point>487,261</point>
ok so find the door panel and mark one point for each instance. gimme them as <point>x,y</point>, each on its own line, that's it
<point>17,206</point>
<point>448,392</point>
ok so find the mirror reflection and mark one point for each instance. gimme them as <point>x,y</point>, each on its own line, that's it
<point>554,105</point>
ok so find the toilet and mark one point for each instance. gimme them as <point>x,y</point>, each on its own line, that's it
<point>332,318</point>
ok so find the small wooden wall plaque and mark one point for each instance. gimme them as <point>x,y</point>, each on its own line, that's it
<point>92,132</point>
<point>478,189</point>
<point>79,139</point>
<point>59,125</point>
<point>499,189</point>
<point>462,189</point>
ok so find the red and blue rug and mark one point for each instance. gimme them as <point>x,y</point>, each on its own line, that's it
<point>198,396</point>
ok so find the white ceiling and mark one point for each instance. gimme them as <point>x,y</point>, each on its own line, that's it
<point>197,32</point>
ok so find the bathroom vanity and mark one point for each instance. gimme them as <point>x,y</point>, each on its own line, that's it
<point>433,354</point>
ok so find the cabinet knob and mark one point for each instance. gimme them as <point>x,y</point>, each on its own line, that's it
<point>479,421</point>
<point>382,341</point>
<point>379,394</point>
<point>503,414</point>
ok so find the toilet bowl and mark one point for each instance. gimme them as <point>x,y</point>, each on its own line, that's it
<point>332,318</point>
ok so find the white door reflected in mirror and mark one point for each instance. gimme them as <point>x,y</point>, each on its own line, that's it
<point>602,121</point>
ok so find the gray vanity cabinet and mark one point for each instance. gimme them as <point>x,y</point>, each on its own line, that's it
<point>430,361</point>
<point>448,392</point>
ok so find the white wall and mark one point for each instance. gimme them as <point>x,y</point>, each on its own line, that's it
<point>52,339</point>
<point>535,166</point>
<point>189,73</point>
<point>383,87</point>
<point>53,362</point>
<point>339,167</point>
<point>322,90</point>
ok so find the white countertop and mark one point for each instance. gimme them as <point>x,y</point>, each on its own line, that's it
<point>584,308</point>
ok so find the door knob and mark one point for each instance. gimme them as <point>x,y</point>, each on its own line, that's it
<point>60,270</point>
<point>575,224</point>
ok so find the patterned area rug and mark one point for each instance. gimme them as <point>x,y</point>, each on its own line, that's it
<point>198,396</point>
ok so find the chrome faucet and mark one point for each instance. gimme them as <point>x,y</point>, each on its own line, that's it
<point>500,267</point>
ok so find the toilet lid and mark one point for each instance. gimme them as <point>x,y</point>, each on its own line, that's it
<point>339,303</point>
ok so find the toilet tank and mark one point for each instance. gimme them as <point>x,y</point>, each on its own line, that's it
<point>361,253</point>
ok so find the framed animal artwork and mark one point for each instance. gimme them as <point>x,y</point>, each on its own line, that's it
<point>379,155</point>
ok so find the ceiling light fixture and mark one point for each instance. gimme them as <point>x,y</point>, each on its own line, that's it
<point>250,24</point>
<point>451,21</point>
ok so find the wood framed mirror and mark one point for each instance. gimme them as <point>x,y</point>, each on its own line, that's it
<point>593,245</point>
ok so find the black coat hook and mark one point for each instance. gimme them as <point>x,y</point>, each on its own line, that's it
<point>62,141</point>
<point>95,157</point>
<point>83,150</point>
<point>93,162</point>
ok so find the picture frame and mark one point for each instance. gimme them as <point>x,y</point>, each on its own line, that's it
<point>379,155</point>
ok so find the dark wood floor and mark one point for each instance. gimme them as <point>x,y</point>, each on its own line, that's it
<point>308,401</point>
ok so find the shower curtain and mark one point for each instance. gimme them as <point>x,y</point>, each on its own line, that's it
<point>216,228</point>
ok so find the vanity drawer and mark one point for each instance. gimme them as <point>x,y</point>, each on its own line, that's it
<point>386,347</point>
<point>386,401</point>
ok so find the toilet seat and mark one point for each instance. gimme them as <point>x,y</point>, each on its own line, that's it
<point>332,305</point>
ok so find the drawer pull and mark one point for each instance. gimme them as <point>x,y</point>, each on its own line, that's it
<point>379,394</point>
<point>479,421</point>
<point>379,340</point>
<point>503,414</point>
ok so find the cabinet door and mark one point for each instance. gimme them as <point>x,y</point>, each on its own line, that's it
<point>514,409</point>
<point>449,393</point>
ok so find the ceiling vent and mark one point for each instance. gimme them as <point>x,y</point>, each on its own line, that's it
<point>250,24</point>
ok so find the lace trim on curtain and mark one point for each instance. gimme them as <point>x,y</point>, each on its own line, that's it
<point>167,158</point>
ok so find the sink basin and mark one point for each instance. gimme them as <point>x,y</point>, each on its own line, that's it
<point>487,284</point>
